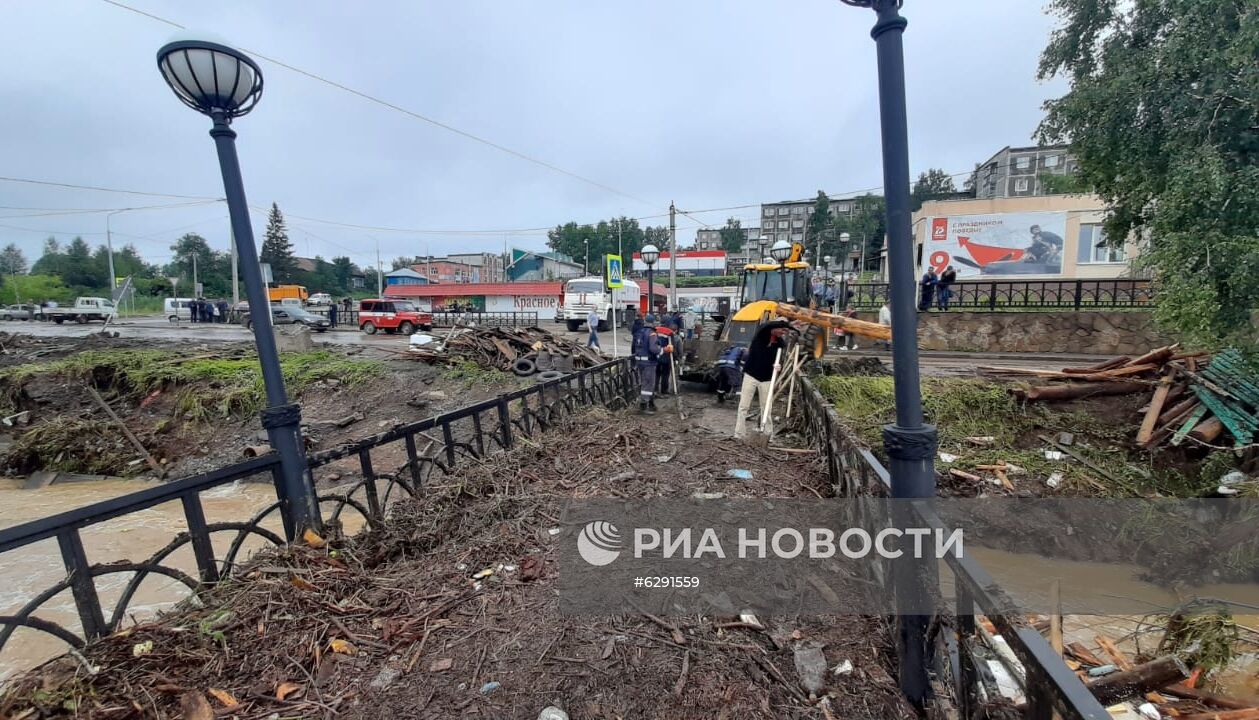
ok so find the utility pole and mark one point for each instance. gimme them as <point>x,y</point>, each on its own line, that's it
<point>109,246</point>
<point>380,279</point>
<point>194,275</point>
<point>235,270</point>
<point>673,257</point>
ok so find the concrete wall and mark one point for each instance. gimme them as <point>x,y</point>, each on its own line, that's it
<point>1089,333</point>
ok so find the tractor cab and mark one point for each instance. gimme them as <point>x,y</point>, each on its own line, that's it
<point>761,287</point>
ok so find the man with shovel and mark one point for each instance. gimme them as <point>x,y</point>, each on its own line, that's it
<point>759,371</point>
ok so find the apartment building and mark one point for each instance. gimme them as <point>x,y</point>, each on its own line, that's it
<point>788,220</point>
<point>486,267</point>
<point>1019,171</point>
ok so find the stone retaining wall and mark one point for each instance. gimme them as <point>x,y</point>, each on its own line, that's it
<point>1092,333</point>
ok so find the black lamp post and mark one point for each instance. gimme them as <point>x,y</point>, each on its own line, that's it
<point>780,251</point>
<point>223,83</point>
<point>650,254</point>
<point>910,443</point>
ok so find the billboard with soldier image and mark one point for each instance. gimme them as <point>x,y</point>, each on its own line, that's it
<point>997,245</point>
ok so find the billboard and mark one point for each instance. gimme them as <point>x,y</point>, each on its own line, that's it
<point>997,245</point>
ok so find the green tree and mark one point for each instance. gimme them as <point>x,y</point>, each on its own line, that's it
<point>277,251</point>
<point>12,260</point>
<point>343,273</point>
<point>1162,116</point>
<point>604,237</point>
<point>732,236</point>
<point>820,224</point>
<point>867,223</point>
<point>34,288</point>
<point>931,184</point>
<point>80,269</point>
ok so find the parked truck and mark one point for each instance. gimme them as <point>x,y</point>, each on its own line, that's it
<point>284,292</point>
<point>581,295</point>
<point>85,309</point>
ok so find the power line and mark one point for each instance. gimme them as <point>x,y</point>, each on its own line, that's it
<point>113,210</point>
<point>409,113</point>
<point>71,186</point>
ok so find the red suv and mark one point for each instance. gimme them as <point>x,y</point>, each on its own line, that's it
<point>392,316</point>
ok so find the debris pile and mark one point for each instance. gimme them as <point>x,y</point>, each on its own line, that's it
<point>524,351</point>
<point>1195,396</point>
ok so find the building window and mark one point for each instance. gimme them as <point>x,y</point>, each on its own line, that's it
<point>843,208</point>
<point>797,210</point>
<point>797,224</point>
<point>1022,163</point>
<point>1094,249</point>
<point>1020,185</point>
<point>769,212</point>
<point>797,237</point>
<point>782,211</point>
<point>781,236</point>
<point>783,224</point>
<point>1051,161</point>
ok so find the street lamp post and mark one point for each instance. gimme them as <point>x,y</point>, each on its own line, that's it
<point>910,443</point>
<point>650,255</point>
<point>223,83</point>
<point>109,248</point>
<point>586,267</point>
<point>780,252</point>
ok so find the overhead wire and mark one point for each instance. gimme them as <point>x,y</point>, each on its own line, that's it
<point>410,113</point>
<point>72,186</point>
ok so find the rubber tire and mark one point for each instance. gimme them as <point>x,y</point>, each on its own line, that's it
<point>426,328</point>
<point>524,367</point>
<point>368,327</point>
<point>8,317</point>
<point>59,320</point>
<point>173,319</point>
<point>80,319</point>
<point>549,375</point>
<point>249,324</point>
<point>406,328</point>
<point>574,325</point>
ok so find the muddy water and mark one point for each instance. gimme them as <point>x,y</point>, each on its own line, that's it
<point>26,572</point>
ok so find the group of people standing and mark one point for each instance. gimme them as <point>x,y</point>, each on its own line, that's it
<point>655,348</point>
<point>936,288</point>
<point>201,310</point>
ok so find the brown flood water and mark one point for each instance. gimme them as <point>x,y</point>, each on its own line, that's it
<point>26,572</point>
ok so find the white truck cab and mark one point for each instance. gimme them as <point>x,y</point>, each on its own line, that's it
<point>581,295</point>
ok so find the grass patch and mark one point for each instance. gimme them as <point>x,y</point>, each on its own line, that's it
<point>472,374</point>
<point>207,387</point>
<point>962,408</point>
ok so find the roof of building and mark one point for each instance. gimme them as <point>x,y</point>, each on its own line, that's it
<point>471,289</point>
<point>689,254</point>
<point>405,272</point>
<point>305,264</point>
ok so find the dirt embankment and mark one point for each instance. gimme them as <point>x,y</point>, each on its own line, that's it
<point>451,610</point>
<point>195,407</point>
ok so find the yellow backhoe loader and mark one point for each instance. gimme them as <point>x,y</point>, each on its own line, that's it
<point>767,292</point>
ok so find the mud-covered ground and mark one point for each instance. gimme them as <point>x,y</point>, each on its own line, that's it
<point>404,622</point>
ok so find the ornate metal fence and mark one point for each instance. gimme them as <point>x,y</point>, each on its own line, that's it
<point>448,440</point>
<point>1051,686</point>
<point>482,318</point>
<point>995,295</point>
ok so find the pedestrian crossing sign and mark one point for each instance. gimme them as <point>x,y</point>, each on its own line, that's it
<point>614,274</point>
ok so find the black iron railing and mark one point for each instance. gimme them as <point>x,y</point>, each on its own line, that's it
<point>447,439</point>
<point>1050,685</point>
<point>995,295</point>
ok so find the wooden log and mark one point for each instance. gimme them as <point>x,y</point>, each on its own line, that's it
<point>1153,675</point>
<point>1156,409</point>
<point>1171,425</point>
<point>1081,653</point>
<point>1158,356</point>
<point>126,431</point>
<point>964,475</point>
<point>1208,430</point>
<point>1111,363</point>
<point>1075,391</point>
<point>1177,410</point>
<point>1121,372</point>
<point>1055,620</point>
<point>1246,714</point>
<point>1206,698</point>
<point>1000,370</point>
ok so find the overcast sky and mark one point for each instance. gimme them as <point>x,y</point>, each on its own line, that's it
<point>709,103</point>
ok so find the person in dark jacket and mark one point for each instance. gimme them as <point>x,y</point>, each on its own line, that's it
<point>944,288</point>
<point>664,363</point>
<point>332,315</point>
<point>730,370</point>
<point>646,351</point>
<point>927,289</point>
<point>222,306</point>
<point>758,370</point>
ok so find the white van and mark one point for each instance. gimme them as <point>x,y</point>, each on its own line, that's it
<point>177,309</point>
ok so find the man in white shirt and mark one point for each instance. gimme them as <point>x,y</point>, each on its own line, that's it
<point>593,321</point>
<point>885,318</point>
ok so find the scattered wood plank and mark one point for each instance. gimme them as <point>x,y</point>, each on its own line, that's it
<point>1081,653</point>
<point>1247,714</point>
<point>1158,356</point>
<point>965,475</point>
<point>1075,391</point>
<point>126,431</point>
<point>1156,408</point>
<point>1055,619</point>
<point>1112,651</point>
<point>1107,365</point>
<point>1206,698</point>
<point>1121,372</point>
<point>1140,679</point>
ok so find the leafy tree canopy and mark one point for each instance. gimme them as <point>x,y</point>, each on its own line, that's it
<point>1162,115</point>
<point>604,238</point>
<point>930,184</point>
<point>732,235</point>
